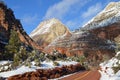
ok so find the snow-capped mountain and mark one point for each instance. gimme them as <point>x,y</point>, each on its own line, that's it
<point>109,15</point>
<point>47,31</point>
<point>44,27</point>
<point>97,37</point>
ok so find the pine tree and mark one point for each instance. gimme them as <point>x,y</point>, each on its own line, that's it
<point>13,45</point>
<point>16,61</point>
<point>23,53</point>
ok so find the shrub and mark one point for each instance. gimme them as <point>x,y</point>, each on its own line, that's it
<point>86,54</point>
<point>116,68</point>
<point>51,57</point>
<point>28,63</point>
<point>57,56</point>
<point>117,46</point>
<point>55,63</point>
<point>42,56</point>
<point>16,61</point>
<point>118,56</point>
<point>37,62</point>
<point>86,66</point>
<point>81,59</point>
<point>23,54</point>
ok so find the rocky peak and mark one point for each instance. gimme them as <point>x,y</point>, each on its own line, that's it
<point>110,15</point>
<point>47,31</point>
<point>96,38</point>
<point>112,5</point>
<point>107,23</point>
<point>45,26</point>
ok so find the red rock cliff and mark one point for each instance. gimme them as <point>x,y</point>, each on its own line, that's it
<point>8,22</point>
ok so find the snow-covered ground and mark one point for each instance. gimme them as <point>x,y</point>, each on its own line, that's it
<point>107,72</point>
<point>20,70</point>
<point>4,62</point>
<point>23,69</point>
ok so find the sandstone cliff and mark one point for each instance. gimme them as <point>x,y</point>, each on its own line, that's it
<point>107,23</point>
<point>47,31</point>
<point>96,39</point>
<point>8,22</point>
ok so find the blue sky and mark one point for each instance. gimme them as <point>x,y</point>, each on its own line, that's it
<point>72,13</point>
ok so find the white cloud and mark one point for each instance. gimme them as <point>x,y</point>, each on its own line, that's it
<point>92,10</point>
<point>64,8</point>
<point>59,10</point>
<point>29,19</point>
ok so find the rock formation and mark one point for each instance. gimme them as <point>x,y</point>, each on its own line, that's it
<point>47,31</point>
<point>96,39</point>
<point>8,22</point>
<point>106,22</point>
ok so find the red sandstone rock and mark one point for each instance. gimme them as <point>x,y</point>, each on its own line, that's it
<point>47,74</point>
<point>8,22</point>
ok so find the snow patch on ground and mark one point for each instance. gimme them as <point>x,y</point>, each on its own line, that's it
<point>4,62</point>
<point>44,65</point>
<point>20,70</point>
<point>66,63</point>
<point>107,72</point>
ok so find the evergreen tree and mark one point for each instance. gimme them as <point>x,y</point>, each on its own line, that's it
<point>13,45</point>
<point>16,61</point>
<point>23,53</point>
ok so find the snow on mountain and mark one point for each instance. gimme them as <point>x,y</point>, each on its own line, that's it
<point>44,26</point>
<point>109,15</point>
<point>107,72</point>
<point>47,31</point>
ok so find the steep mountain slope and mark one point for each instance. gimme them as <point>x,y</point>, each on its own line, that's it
<point>110,15</point>
<point>80,43</point>
<point>96,39</point>
<point>106,25</point>
<point>47,31</point>
<point>8,22</point>
<point>106,22</point>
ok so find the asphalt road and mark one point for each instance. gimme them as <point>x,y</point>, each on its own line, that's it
<point>86,75</point>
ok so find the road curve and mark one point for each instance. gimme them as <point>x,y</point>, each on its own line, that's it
<point>86,75</point>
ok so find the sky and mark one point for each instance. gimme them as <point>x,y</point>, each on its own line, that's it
<point>72,13</point>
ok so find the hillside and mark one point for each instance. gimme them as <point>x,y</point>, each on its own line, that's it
<point>96,39</point>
